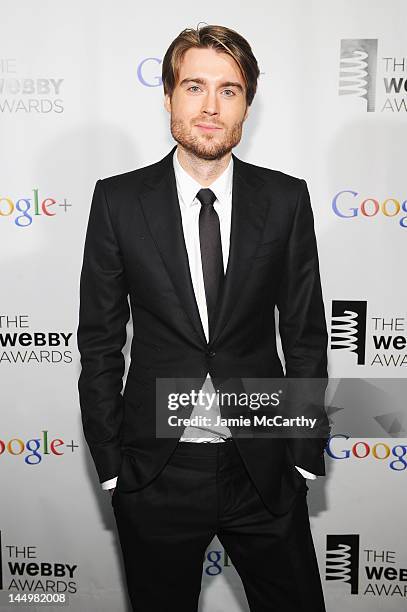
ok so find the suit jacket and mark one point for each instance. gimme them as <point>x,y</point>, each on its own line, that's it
<point>135,261</point>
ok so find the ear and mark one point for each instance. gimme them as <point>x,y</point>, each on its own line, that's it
<point>167,102</point>
<point>246,113</point>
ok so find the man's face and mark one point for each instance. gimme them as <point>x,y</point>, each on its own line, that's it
<point>210,92</point>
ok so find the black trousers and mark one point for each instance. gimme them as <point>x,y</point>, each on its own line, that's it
<point>204,489</point>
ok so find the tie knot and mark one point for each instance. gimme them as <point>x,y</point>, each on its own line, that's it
<point>206,197</point>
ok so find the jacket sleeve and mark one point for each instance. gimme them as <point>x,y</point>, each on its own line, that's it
<point>304,336</point>
<point>101,335</point>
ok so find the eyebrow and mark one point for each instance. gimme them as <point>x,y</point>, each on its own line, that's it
<point>203,82</point>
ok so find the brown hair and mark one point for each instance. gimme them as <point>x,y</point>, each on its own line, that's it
<point>222,40</point>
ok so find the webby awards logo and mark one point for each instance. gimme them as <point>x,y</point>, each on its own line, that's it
<point>375,340</point>
<point>24,569</point>
<point>363,76</point>
<point>20,345</point>
<point>364,569</point>
<point>22,94</point>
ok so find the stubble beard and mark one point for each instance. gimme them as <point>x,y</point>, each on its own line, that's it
<point>206,146</point>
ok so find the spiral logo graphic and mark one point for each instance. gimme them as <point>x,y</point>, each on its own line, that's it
<point>342,560</point>
<point>357,69</point>
<point>348,327</point>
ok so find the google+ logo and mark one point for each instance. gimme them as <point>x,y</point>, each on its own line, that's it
<point>360,449</point>
<point>29,208</point>
<point>368,207</point>
<point>36,447</point>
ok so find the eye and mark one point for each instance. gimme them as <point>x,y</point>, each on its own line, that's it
<point>232,92</point>
<point>193,86</point>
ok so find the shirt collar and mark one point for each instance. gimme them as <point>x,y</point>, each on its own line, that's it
<point>188,187</point>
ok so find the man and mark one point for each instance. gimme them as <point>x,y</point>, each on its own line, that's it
<point>163,236</point>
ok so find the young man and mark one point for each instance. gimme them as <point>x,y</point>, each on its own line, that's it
<point>163,236</point>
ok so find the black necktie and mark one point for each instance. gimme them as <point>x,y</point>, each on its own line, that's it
<point>211,252</point>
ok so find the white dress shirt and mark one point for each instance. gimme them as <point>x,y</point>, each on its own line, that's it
<point>190,206</point>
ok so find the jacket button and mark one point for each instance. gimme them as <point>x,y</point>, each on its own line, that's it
<point>211,353</point>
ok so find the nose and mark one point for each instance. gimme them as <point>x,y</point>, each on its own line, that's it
<point>210,104</point>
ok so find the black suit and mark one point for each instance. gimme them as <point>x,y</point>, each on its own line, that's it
<point>135,247</point>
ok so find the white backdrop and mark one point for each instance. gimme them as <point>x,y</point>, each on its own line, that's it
<point>81,99</point>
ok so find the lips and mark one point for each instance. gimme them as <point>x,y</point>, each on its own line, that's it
<point>204,126</point>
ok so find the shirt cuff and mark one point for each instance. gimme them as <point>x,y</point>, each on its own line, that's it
<point>109,484</point>
<point>305,473</point>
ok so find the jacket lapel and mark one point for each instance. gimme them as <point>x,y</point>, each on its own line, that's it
<point>247,225</point>
<point>161,209</point>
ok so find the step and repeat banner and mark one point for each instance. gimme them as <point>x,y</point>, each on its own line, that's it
<point>81,99</point>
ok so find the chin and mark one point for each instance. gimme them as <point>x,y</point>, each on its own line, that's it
<point>210,154</point>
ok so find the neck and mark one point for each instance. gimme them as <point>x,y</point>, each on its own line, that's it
<point>205,171</point>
